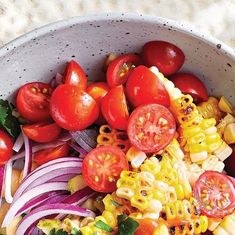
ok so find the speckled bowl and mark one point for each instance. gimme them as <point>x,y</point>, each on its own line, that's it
<point>38,55</point>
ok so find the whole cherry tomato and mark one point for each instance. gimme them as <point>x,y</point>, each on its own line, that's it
<point>6,145</point>
<point>73,109</point>
<point>33,101</point>
<point>192,85</point>
<point>144,87</point>
<point>114,108</point>
<point>120,69</point>
<point>75,75</point>
<point>167,57</point>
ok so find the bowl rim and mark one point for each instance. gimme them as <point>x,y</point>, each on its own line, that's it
<point>130,17</point>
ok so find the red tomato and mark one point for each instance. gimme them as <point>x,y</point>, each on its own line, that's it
<point>167,57</point>
<point>102,167</point>
<point>42,132</point>
<point>114,108</point>
<point>215,193</point>
<point>47,155</point>
<point>144,87</point>
<point>75,75</point>
<point>230,163</point>
<point>6,145</point>
<point>151,128</point>
<point>33,101</point>
<point>120,68</point>
<point>73,109</point>
<point>97,91</point>
<point>192,85</point>
<point>146,226</point>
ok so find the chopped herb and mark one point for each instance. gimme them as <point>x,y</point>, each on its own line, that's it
<point>7,120</point>
<point>96,233</point>
<point>23,215</point>
<point>59,232</point>
<point>75,231</point>
<point>126,225</point>
<point>102,225</point>
<point>115,203</point>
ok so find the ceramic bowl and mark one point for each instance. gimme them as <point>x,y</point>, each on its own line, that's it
<point>38,55</point>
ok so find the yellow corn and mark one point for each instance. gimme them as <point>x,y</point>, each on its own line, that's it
<point>225,105</point>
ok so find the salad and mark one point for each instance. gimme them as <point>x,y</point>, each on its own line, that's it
<point>144,151</point>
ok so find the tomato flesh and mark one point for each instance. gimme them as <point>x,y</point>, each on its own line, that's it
<point>151,128</point>
<point>6,145</point>
<point>73,109</point>
<point>144,87</point>
<point>102,166</point>
<point>49,154</point>
<point>120,68</point>
<point>42,132</point>
<point>114,108</point>
<point>167,57</point>
<point>192,85</point>
<point>33,101</point>
<point>146,226</point>
<point>75,75</point>
<point>215,193</point>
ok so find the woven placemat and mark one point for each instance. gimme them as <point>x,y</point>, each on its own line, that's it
<point>214,17</point>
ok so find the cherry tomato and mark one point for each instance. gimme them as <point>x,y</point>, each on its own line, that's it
<point>6,145</point>
<point>230,163</point>
<point>167,57</point>
<point>75,75</point>
<point>97,91</point>
<point>120,68</point>
<point>102,167</point>
<point>215,193</point>
<point>47,155</point>
<point>114,108</point>
<point>192,85</point>
<point>143,87</point>
<point>73,109</point>
<point>42,132</point>
<point>151,128</point>
<point>33,101</point>
<point>146,226</point>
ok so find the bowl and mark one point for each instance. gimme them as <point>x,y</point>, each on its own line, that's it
<point>40,54</point>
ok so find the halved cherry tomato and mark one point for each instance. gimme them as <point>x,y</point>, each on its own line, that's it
<point>114,108</point>
<point>101,168</point>
<point>33,101</point>
<point>47,155</point>
<point>73,109</point>
<point>42,132</point>
<point>215,193</point>
<point>230,163</point>
<point>151,128</point>
<point>75,75</point>
<point>6,145</point>
<point>144,87</point>
<point>97,91</point>
<point>120,68</point>
<point>146,226</point>
<point>167,57</point>
<point>192,85</point>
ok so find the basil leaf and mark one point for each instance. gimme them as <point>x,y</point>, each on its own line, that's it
<point>75,231</point>
<point>126,225</point>
<point>102,225</point>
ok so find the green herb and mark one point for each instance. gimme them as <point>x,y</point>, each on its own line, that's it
<point>115,203</point>
<point>102,225</point>
<point>7,120</point>
<point>23,215</point>
<point>59,232</point>
<point>75,231</point>
<point>126,225</point>
<point>96,233</point>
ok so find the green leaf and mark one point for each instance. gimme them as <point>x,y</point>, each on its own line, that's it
<point>59,232</point>
<point>23,215</point>
<point>126,225</point>
<point>75,231</point>
<point>96,233</point>
<point>115,203</point>
<point>102,225</point>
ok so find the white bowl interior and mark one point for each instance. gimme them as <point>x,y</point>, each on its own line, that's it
<point>37,56</point>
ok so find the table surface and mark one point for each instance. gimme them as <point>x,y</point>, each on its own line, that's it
<point>213,17</point>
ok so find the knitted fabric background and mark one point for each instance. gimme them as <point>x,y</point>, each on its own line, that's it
<point>214,17</point>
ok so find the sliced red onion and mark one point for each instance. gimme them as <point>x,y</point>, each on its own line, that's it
<point>2,170</point>
<point>7,182</point>
<point>37,174</point>
<point>29,195</point>
<point>78,149</point>
<point>28,156</point>
<point>63,178</point>
<point>18,143</point>
<point>46,210</point>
